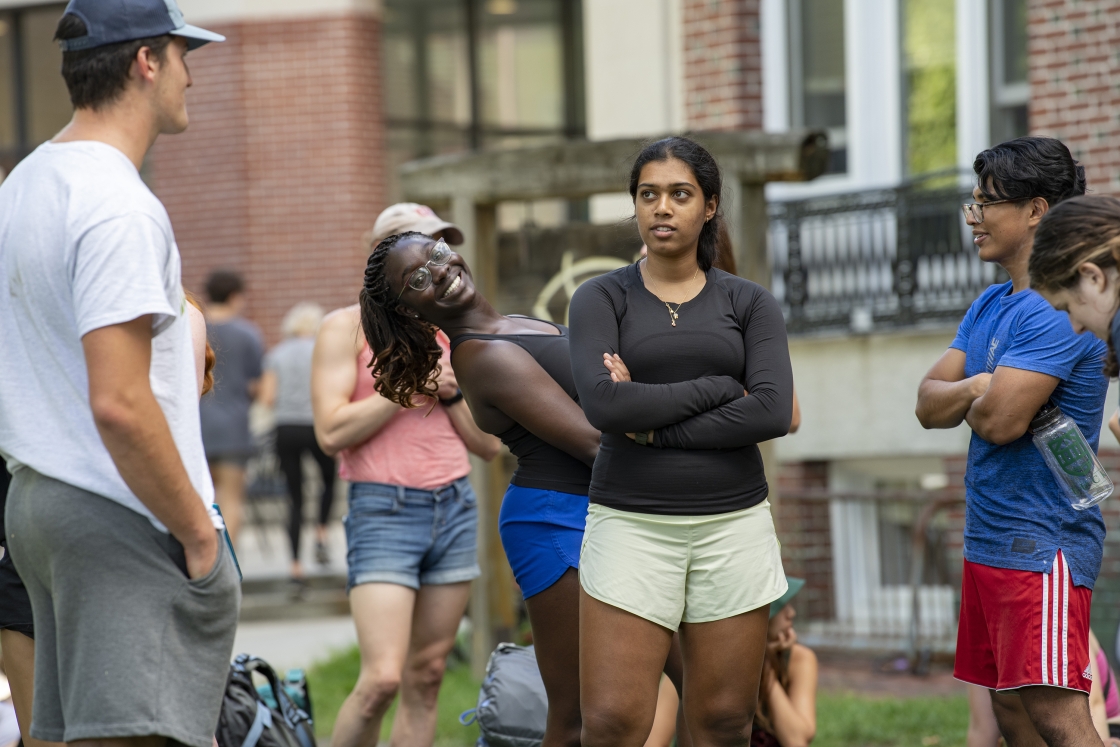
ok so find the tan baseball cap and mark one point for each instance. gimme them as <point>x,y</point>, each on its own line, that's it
<point>411,216</point>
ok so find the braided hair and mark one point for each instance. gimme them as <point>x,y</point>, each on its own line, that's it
<point>405,351</point>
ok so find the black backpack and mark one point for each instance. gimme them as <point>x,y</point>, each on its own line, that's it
<point>247,720</point>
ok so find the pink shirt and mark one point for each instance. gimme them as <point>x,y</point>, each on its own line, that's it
<point>414,448</point>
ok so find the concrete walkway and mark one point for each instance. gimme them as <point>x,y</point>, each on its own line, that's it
<point>295,643</point>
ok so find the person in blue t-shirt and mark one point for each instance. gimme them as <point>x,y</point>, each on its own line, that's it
<point>1030,558</point>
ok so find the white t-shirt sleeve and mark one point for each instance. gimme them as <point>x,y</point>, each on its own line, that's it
<point>120,274</point>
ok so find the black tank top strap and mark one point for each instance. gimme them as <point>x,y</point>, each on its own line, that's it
<point>539,464</point>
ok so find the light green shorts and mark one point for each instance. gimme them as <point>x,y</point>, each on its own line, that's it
<point>674,569</point>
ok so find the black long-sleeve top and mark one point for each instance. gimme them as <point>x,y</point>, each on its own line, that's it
<point>687,385</point>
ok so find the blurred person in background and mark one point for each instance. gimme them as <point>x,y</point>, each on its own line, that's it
<point>286,388</point>
<point>9,724</point>
<point>225,410</point>
<point>787,697</point>
<point>983,731</point>
<point>1104,695</point>
<point>412,527</point>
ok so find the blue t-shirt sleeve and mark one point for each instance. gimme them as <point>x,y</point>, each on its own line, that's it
<point>964,331</point>
<point>1044,342</point>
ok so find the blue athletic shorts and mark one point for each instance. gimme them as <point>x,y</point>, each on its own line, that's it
<point>541,532</point>
<point>411,537</point>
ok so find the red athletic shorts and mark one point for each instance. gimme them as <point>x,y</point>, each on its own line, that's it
<point>1022,628</point>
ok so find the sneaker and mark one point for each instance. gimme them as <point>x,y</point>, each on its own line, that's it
<point>297,588</point>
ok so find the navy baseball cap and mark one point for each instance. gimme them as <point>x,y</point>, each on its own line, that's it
<point>113,21</point>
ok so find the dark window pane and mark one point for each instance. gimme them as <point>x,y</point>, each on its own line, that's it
<point>1014,41</point>
<point>521,64</point>
<point>7,85</point>
<point>448,66</point>
<point>1010,122</point>
<point>48,103</point>
<point>426,71</point>
<point>822,62</point>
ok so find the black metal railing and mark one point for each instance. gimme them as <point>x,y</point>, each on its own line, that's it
<point>876,259</point>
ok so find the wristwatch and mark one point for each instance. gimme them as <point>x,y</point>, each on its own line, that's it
<point>453,399</point>
<point>642,438</point>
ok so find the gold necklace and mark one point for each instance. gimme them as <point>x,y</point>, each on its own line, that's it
<point>673,315</point>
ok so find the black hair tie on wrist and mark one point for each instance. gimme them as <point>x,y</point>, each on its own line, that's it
<point>452,400</point>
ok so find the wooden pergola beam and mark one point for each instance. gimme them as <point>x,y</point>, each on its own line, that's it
<point>582,168</point>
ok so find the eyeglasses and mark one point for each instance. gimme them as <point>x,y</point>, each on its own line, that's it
<point>975,210</point>
<point>421,278</point>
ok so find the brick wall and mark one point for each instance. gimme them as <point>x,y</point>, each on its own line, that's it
<point>806,535</point>
<point>281,169</point>
<point>722,65</point>
<point>1074,63</point>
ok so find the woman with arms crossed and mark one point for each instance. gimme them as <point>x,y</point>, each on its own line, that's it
<point>679,533</point>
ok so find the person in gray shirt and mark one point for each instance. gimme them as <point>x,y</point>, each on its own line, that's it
<point>225,410</point>
<point>286,387</point>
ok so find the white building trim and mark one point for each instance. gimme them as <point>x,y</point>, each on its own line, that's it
<point>973,81</point>
<point>872,56</point>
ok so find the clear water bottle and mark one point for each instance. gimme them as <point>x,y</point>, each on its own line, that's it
<point>1070,458</point>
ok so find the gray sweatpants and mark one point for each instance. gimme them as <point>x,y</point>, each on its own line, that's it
<point>125,644</point>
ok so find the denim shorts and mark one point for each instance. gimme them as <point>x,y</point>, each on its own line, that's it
<point>411,537</point>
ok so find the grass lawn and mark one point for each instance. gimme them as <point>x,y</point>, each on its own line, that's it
<point>843,720</point>
<point>330,682</point>
<point>859,721</point>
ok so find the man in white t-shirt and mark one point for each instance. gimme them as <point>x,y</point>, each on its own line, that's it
<point>108,519</point>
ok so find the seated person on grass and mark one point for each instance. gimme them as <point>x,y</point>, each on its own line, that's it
<point>787,698</point>
<point>1104,695</point>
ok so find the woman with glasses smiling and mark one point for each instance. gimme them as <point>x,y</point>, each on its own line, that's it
<point>412,527</point>
<point>516,373</point>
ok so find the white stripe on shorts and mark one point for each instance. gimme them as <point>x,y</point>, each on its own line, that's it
<point>1045,621</point>
<point>1054,574</point>
<point>1065,621</point>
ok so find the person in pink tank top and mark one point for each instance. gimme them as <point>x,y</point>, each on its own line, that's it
<point>412,526</point>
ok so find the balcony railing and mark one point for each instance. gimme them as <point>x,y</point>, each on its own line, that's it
<point>876,259</point>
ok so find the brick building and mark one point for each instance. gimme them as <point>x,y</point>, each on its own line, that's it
<point>300,120</point>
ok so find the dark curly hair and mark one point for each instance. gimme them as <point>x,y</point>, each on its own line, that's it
<point>708,178</point>
<point>405,351</point>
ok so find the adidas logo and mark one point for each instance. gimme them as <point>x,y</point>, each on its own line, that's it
<point>1088,673</point>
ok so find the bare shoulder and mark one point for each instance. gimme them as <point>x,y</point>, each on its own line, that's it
<point>196,319</point>
<point>342,327</point>
<point>802,657</point>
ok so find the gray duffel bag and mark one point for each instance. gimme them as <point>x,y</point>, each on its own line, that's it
<point>512,705</point>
